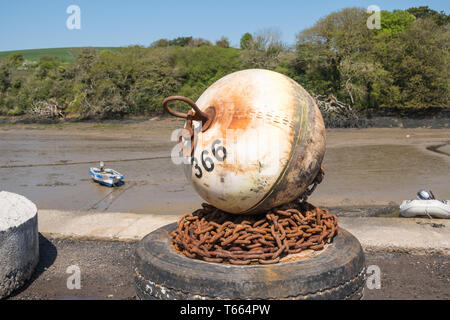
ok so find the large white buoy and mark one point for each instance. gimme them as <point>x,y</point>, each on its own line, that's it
<point>260,142</point>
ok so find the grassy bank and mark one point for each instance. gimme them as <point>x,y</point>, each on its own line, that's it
<point>63,54</point>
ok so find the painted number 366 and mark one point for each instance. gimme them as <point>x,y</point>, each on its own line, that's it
<point>219,152</point>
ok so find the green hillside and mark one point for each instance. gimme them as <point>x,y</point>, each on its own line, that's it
<point>65,54</point>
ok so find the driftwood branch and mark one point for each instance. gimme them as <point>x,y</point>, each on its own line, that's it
<point>336,113</point>
<point>46,110</point>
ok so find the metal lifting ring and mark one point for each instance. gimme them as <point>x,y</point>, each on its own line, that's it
<point>206,117</point>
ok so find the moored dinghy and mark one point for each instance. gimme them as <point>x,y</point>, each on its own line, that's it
<point>107,177</point>
<point>425,205</point>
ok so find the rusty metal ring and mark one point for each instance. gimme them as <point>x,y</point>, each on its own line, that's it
<point>198,114</point>
<point>206,117</point>
<point>176,113</point>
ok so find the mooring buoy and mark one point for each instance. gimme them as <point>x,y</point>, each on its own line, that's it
<point>252,147</point>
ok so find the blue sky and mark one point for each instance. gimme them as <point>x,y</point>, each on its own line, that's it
<point>42,24</point>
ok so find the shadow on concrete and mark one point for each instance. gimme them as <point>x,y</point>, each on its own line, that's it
<point>47,256</point>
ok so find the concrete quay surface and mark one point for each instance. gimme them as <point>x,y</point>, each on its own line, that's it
<point>406,235</point>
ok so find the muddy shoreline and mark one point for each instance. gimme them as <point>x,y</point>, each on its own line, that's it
<point>431,118</point>
<point>368,171</point>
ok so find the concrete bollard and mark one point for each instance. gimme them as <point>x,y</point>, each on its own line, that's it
<point>19,241</point>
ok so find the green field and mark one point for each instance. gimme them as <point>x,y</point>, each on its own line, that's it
<point>65,54</point>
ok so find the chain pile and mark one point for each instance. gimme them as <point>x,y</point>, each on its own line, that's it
<point>212,235</point>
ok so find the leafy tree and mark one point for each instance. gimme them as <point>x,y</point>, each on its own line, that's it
<point>46,64</point>
<point>161,43</point>
<point>339,39</point>
<point>181,41</point>
<point>395,22</point>
<point>440,18</point>
<point>246,41</point>
<point>200,67</point>
<point>198,42</point>
<point>15,59</point>
<point>157,79</point>
<point>264,51</point>
<point>223,42</point>
<point>84,60</point>
<point>5,76</point>
<point>418,60</point>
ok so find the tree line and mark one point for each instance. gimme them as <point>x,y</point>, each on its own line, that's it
<point>404,64</point>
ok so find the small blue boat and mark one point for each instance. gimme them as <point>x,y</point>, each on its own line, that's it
<point>107,177</point>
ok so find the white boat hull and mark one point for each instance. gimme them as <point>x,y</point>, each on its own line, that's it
<point>110,182</point>
<point>434,208</point>
<point>108,177</point>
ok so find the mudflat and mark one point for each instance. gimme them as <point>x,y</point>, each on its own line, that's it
<point>49,165</point>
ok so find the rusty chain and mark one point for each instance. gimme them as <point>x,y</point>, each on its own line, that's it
<point>212,235</point>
